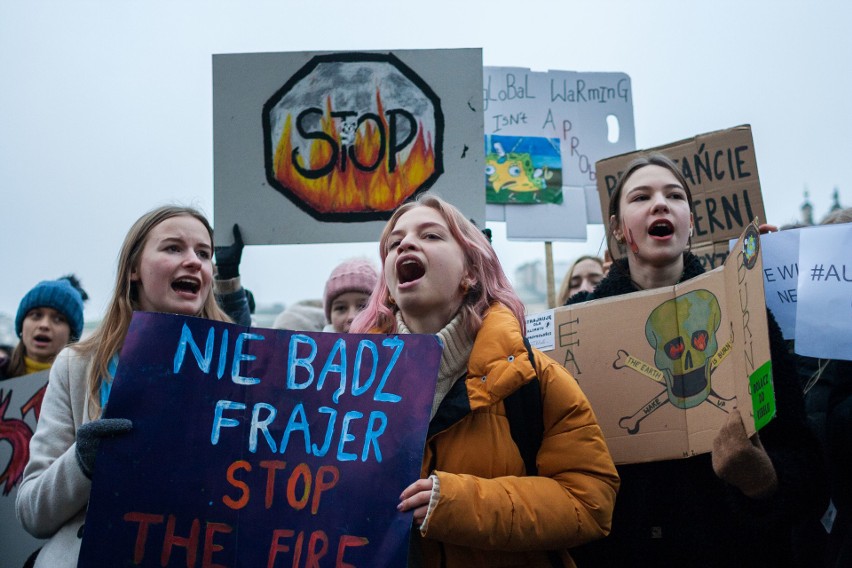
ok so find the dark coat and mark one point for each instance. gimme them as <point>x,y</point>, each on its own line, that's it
<point>679,513</point>
<point>837,380</point>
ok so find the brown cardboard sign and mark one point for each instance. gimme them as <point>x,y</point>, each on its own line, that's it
<point>663,368</point>
<point>721,170</point>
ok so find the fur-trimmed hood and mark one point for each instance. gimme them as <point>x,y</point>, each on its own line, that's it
<point>617,281</point>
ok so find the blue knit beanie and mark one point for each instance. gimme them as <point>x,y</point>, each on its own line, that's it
<point>59,295</point>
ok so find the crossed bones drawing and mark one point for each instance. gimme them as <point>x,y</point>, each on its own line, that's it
<point>631,423</point>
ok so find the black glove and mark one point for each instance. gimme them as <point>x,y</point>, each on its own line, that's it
<point>228,257</point>
<point>89,437</point>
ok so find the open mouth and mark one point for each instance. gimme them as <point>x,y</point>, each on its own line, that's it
<point>689,384</point>
<point>409,270</point>
<point>187,285</point>
<point>42,338</point>
<point>661,228</point>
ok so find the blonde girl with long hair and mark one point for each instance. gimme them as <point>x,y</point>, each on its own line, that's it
<point>165,265</point>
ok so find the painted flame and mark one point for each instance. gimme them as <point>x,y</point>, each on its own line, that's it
<point>352,190</point>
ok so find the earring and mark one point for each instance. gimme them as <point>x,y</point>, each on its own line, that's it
<point>690,230</point>
<point>391,300</point>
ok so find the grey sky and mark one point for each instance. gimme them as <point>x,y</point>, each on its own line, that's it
<point>105,107</point>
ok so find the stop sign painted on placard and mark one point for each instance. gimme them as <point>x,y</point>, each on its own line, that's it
<point>350,136</point>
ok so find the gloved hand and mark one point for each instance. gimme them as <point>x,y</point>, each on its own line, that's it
<point>742,461</point>
<point>89,437</point>
<point>228,257</point>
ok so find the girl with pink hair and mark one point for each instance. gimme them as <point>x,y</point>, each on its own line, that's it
<point>478,502</point>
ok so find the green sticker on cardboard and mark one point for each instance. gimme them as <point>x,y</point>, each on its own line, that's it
<point>762,395</point>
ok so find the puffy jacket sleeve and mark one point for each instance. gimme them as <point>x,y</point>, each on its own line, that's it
<point>233,299</point>
<point>570,501</point>
<point>54,488</point>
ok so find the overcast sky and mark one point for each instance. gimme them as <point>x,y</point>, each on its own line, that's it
<point>106,112</point>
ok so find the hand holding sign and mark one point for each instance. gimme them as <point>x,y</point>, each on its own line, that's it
<point>89,438</point>
<point>416,496</point>
<point>742,461</point>
<point>228,257</point>
<point>266,442</point>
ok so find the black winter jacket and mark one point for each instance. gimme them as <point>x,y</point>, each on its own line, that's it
<point>678,513</point>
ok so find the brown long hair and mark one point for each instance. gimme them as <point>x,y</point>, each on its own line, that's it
<point>108,338</point>
<point>17,365</point>
<point>562,296</point>
<point>615,199</point>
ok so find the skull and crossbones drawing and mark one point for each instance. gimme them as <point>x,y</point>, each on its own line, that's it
<point>682,332</point>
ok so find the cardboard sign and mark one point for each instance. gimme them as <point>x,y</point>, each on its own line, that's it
<point>663,368</point>
<point>824,306</point>
<point>259,447</point>
<point>721,170</point>
<point>589,114</point>
<point>321,147</point>
<point>780,252</point>
<point>20,404</point>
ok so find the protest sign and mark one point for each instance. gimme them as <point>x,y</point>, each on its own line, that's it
<point>824,305</point>
<point>587,115</point>
<point>825,281</point>
<point>663,368</point>
<point>721,170</point>
<point>316,147</point>
<point>20,405</point>
<point>780,252</point>
<point>258,447</point>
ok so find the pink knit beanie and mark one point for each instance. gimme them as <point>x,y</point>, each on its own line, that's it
<point>355,275</point>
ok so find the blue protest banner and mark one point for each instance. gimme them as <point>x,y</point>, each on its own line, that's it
<point>257,447</point>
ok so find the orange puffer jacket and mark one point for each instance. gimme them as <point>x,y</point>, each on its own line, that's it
<point>489,513</point>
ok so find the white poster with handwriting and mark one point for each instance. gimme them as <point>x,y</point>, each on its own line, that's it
<point>824,314</point>
<point>540,332</point>
<point>589,116</point>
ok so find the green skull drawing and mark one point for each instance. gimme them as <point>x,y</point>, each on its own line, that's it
<point>682,332</point>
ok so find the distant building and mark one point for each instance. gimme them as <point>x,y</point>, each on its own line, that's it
<point>835,203</point>
<point>531,283</point>
<point>806,211</point>
<point>7,330</point>
<point>264,315</point>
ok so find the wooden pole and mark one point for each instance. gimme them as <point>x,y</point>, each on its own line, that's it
<point>551,287</point>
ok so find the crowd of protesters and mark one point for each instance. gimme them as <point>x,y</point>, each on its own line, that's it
<point>478,502</point>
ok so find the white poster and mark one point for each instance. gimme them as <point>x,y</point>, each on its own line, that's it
<point>589,115</point>
<point>824,314</point>
<point>321,147</point>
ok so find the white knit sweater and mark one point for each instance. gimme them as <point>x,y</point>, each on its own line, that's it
<point>457,347</point>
